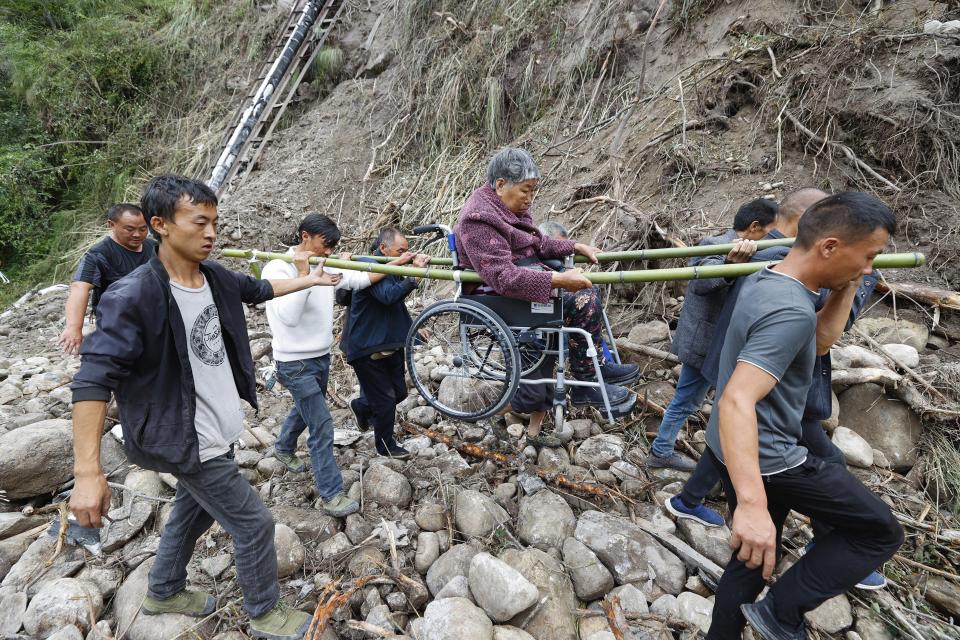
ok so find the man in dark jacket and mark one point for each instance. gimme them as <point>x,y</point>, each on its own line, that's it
<point>374,341</point>
<point>695,329</point>
<point>171,343</point>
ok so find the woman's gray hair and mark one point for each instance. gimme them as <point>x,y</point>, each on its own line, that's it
<point>553,229</point>
<point>513,165</point>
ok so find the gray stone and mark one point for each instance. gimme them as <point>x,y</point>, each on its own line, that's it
<point>833,616</point>
<point>14,522</point>
<point>505,490</point>
<point>904,354</point>
<point>553,460</point>
<point>630,553</point>
<point>453,563</point>
<point>665,605</point>
<point>428,550</point>
<point>332,547</point>
<point>26,419</point>
<point>431,517</point>
<point>554,619</point>
<point>695,609</point>
<point>127,604</point>
<point>833,421</point>
<point>581,428</point>
<point>466,394</point>
<point>888,425</point>
<point>600,451</point>
<point>12,607</point>
<point>422,416</point>
<point>126,522</point>
<point>601,635</point>
<point>380,616</point>
<point>499,589</point>
<point>506,632</point>
<point>856,357</point>
<point>856,450</point>
<point>106,579</point>
<point>870,627</point>
<point>31,572</point>
<point>290,551</point>
<point>62,602</point>
<point>589,625</point>
<point>632,600</point>
<point>386,487</point>
<point>36,459</point>
<point>9,393</point>
<point>591,580</point>
<point>943,594</point>
<point>477,515</point>
<point>101,631</point>
<point>458,587</point>
<point>69,632</point>
<point>366,560</point>
<point>215,566</point>
<point>357,528</point>
<point>713,542</point>
<point>890,331</point>
<point>456,619</point>
<point>309,524</point>
<point>545,520</point>
<point>651,332</point>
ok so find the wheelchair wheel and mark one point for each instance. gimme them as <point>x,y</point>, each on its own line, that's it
<point>463,360</point>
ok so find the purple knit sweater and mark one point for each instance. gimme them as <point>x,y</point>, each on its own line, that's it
<point>490,238</point>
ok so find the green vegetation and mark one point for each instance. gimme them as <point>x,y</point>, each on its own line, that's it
<point>94,96</point>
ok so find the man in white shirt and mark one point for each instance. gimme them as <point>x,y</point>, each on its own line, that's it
<point>302,327</point>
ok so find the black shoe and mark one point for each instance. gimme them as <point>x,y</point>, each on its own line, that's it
<point>763,618</point>
<point>363,422</point>
<point>591,396</point>
<point>613,373</point>
<point>394,451</point>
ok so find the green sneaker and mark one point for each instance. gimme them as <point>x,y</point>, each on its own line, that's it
<point>187,603</point>
<point>292,462</point>
<point>340,506</point>
<point>281,623</point>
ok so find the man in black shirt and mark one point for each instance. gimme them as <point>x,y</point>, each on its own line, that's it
<point>126,248</point>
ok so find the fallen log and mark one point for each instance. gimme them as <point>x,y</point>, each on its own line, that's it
<point>641,349</point>
<point>922,293</point>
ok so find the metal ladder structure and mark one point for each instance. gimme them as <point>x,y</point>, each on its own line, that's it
<point>291,55</point>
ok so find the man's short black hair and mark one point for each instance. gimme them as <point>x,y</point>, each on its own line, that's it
<point>317,224</point>
<point>762,210</point>
<point>161,195</point>
<point>386,236</point>
<point>116,211</point>
<point>849,215</point>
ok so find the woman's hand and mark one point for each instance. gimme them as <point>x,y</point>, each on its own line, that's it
<point>587,251</point>
<point>571,280</point>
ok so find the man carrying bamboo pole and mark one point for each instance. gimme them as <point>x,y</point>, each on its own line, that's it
<point>694,333</point>
<point>171,343</point>
<point>754,436</point>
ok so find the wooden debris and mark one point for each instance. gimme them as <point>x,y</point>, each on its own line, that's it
<point>922,293</point>
<point>615,618</point>
<point>330,600</point>
<point>641,349</point>
<point>681,549</point>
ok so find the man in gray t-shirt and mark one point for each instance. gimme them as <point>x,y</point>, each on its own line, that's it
<point>766,367</point>
<point>774,332</point>
<point>219,419</point>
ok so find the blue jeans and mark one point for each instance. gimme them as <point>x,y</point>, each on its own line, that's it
<point>218,492</point>
<point>692,388</point>
<point>307,382</point>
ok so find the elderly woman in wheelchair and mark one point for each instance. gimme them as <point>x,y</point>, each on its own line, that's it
<point>496,237</point>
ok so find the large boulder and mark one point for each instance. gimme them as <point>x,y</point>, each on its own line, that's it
<point>383,485</point>
<point>36,459</point>
<point>466,394</point>
<point>890,331</point>
<point>12,607</point>
<point>477,515</point>
<point>630,553</point>
<point>833,616</point>
<point>291,553</point>
<point>309,524</point>
<point>713,542</point>
<point>887,424</point>
<point>60,603</point>
<point>650,332</point>
<point>455,562</point>
<point>695,609</point>
<point>545,520</point>
<point>126,606</point>
<point>499,589</point>
<point>555,619</point>
<point>599,452</point>
<point>456,619</point>
<point>33,570</point>
<point>856,451</point>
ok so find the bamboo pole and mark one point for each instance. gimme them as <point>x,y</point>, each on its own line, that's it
<point>640,254</point>
<point>883,261</point>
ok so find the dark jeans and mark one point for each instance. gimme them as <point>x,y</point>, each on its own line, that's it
<point>307,382</point>
<point>582,309</point>
<point>705,477</point>
<point>218,492</point>
<point>863,535</point>
<point>383,386</point>
<point>692,388</point>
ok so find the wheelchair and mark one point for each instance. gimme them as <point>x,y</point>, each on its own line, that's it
<point>468,356</point>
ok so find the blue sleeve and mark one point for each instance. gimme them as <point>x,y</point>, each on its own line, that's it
<point>708,285</point>
<point>110,352</point>
<point>862,297</point>
<point>391,290</point>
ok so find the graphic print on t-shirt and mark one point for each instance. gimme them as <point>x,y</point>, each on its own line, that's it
<point>206,341</point>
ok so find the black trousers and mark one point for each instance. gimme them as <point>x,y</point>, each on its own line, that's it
<point>863,535</point>
<point>382,388</point>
